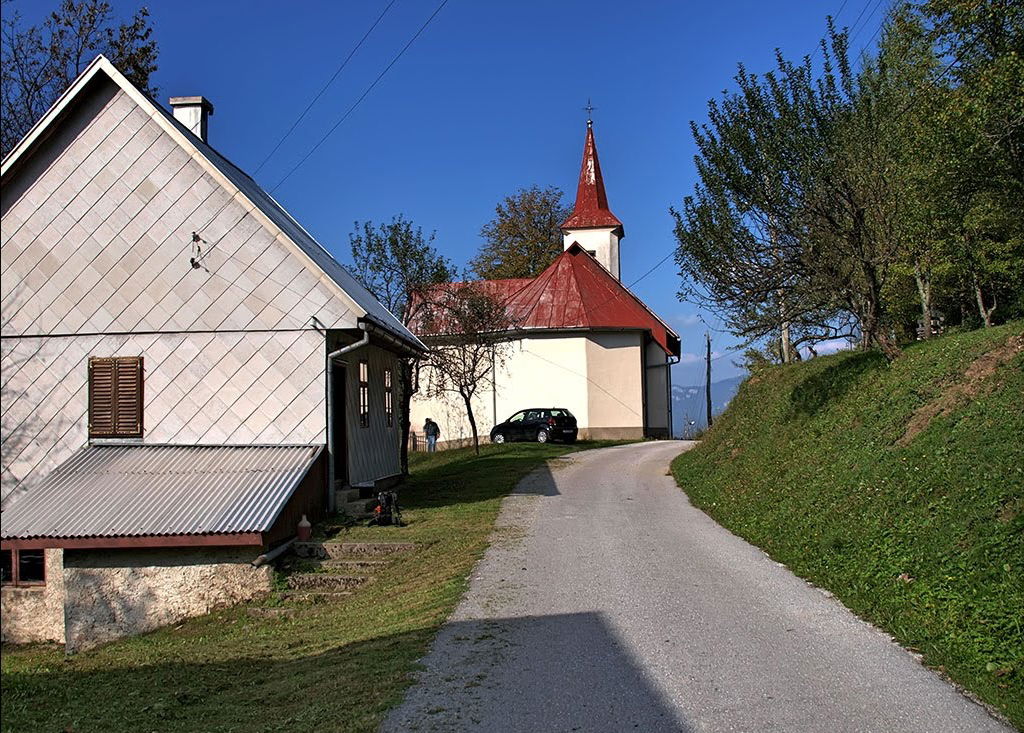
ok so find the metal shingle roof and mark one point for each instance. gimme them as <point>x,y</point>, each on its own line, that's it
<point>153,490</point>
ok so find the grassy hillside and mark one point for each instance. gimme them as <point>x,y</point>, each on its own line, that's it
<point>900,488</point>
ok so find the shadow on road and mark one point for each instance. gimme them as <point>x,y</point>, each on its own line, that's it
<point>565,672</point>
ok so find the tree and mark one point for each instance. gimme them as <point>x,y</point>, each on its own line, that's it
<point>40,62</point>
<point>524,237</point>
<point>399,266</point>
<point>470,333</point>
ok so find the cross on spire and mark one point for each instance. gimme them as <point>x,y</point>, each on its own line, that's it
<point>589,109</point>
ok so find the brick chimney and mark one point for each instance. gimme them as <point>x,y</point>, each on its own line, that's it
<point>193,113</point>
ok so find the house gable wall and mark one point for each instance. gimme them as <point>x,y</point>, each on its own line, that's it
<point>96,239</point>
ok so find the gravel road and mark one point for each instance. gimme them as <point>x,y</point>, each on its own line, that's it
<point>608,603</point>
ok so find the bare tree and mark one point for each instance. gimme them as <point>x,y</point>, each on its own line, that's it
<point>399,266</point>
<point>40,62</point>
<point>470,337</point>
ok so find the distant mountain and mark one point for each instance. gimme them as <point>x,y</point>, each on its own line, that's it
<point>688,404</point>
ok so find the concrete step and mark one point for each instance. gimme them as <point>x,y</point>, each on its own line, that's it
<point>324,581</point>
<point>346,495</point>
<point>356,566</point>
<point>318,596</point>
<point>350,550</point>
<point>357,509</point>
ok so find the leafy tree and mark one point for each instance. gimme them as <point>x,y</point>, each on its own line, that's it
<point>524,236</point>
<point>40,62</point>
<point>399,266</point>
<point>469,338</point>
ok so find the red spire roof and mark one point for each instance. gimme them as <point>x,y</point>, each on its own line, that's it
<point>591,209</point>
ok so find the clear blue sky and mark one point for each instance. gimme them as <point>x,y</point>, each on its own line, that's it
<point>487,100</point>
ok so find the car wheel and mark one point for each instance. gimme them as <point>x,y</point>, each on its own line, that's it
<point>499,438</point>
<point>542,436</point>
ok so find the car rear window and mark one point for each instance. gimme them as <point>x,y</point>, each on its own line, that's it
<point>561,413</point>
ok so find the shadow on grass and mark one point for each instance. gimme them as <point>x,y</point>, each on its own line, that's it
<point>831,383</point>
<point>351,687</point>
<point>460,476</point>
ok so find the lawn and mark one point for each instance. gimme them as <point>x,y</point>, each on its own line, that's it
<point>900,488</point>
<point>330,667</point>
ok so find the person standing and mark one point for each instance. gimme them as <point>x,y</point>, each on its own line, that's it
<point>433,432</point>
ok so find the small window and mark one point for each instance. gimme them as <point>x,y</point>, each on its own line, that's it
<point>115,397</point>
<point>389,397</point>
<point>364,394</point>
<point>24,567</point>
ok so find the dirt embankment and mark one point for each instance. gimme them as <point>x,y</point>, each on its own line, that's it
<point>976,379</point>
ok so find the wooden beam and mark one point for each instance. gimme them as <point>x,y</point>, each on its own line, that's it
<point>242,539</point>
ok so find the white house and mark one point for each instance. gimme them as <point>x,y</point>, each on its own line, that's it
<point>185,370</point>
<point>582,340</point>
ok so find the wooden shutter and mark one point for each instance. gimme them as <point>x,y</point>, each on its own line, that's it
<point>101,397</point>
<point>128,402</point>
<point>115,397</point>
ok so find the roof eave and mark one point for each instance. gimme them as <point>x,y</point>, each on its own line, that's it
<point>235,539</point>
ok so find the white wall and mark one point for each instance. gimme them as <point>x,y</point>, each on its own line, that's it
<point>603,242</point>
<point>596,376</point>
<point>656,390</point>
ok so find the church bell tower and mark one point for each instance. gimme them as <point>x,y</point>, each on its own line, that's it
<point>592,224</point>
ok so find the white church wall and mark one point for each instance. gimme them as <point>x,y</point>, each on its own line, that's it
<point>656,391</point>
<point>603,243</point>
<point>546,370</point>
<point>615,401</point>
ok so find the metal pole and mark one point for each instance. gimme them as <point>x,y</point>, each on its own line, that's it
<point>707,337</point>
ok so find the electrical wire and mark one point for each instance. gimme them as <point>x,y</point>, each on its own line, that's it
<point>363,96</point>
<point>325,86</point>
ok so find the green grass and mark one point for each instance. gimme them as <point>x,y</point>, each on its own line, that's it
<point>330,667</point>
<point>924,539</point>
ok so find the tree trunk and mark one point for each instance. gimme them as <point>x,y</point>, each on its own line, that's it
<point>872,321</point>
<point>407,393</point>
<point>924,292</point>
<point>472,422</point>
<point>986,313</point>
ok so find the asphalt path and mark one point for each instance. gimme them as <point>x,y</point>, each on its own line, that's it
<point>607,602</point>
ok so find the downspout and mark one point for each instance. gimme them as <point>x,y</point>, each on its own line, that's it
<point>364,341</point>
<point>668,392</point>
<point>272,554</point>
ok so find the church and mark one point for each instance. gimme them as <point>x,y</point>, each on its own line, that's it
<point>582,340</point>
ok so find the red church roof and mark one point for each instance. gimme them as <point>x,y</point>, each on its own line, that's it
<point>591,209</point>
<point>576,291</point>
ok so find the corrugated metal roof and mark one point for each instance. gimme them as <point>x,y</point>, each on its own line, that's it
<point>153,490</point>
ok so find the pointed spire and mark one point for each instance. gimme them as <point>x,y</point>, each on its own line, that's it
<point>591,209</point>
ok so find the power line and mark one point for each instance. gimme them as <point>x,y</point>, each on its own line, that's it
<point>325,86</point>
<point>363,96</point>
<point>874,10</point>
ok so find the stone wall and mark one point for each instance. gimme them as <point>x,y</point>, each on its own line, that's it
<point>115,593</point>
<point>35,613</point>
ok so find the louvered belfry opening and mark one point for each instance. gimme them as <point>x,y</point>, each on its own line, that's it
<point>115,397</point>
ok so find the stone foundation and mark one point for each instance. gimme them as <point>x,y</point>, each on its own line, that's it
<point>33,614</point>
<point>115,593</point>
